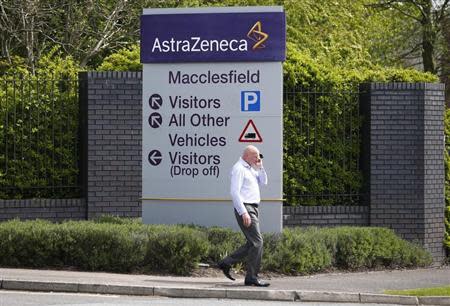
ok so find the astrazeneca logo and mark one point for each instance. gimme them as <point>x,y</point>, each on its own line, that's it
<point>197,44</point>
<point>258,36</point>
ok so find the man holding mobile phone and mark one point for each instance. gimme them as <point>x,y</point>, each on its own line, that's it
<point>246,176</point>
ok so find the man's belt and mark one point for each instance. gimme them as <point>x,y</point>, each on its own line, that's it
<point>252,204</point>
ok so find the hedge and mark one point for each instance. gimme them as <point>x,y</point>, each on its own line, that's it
<point>447,179</point>
<point>39,132</point>
<point>322,126</point>
<point>324,165</point>
<point>129,246</point>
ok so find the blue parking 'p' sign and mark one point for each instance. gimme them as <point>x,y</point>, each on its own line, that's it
<point>251,101</point>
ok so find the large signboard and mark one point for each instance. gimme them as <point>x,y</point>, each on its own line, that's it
<point>228,35</point>
<point>207,95</point>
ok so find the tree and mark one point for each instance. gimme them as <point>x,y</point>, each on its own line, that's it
<point>428,16</point>
<point>340,32</point>
<point>96,27</point>
<point>84,29</point>
<point>23,24</point>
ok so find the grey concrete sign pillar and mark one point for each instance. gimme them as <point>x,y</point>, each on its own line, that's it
<point>405,163</point>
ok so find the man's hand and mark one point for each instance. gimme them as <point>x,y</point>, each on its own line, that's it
<point>246,219</point>
<point>258,164</point>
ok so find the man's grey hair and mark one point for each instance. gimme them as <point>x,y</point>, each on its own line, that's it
<point>248,149</point>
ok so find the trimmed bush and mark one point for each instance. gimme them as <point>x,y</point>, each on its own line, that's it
<point>117,220</point>
<point>303,251</point>
<point>115,245</point>
<point>102,247</point>
<point>298,252</point>
<point>372,247</point>
<point>354,248</point>
<point>84,245</point>
<point>29,244</point>
<point>174,249</point>
<point>223,241</point>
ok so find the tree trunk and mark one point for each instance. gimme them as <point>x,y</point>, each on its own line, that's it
<point>428,38</point>
<point>427,54</point>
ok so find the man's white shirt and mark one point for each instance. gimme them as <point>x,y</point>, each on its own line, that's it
<point>245,182</point>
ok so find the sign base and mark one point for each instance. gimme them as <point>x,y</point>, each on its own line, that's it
<point>209,213</point>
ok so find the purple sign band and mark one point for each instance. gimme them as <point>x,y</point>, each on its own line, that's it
<point>213,37</point>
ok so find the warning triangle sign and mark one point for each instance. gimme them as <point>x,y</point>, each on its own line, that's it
<point>250,133</point>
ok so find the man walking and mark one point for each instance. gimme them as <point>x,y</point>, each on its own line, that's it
<point>246,177</point>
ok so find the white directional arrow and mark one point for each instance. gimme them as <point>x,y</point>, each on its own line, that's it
<point>155,101</point>
<point>155,120</point>
<point>155,157</point>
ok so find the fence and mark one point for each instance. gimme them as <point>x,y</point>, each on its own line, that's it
<point>39,141</point>
<point>39,132</point>
<point>322,146</point>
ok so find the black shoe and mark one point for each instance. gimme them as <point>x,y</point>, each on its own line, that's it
<point>226,270</point>
<point>256,282</point>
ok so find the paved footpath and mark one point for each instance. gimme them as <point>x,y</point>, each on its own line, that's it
<point>361,287</point>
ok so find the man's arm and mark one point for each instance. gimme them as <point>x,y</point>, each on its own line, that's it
<point>237,179</point>
<point>262,175</point>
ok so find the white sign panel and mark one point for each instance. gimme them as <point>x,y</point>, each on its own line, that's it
<point>197,119</point>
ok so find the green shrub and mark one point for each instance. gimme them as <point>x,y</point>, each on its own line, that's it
<point>127,59</point>
<point>103,247</point>
<point>322,139</point>
<point>364,247</point>
<point>447,179</point>
<point>354,248</point>
<point>131,246</point>
<point>117,220</point>
<point>412,255</point>
<point>447,230</point>
<point>223,241</point>
<point>298,252</point>
<point>29,244</point>
<point>301,251</point>
<point>84,245</point>
<point>174,249</point>
<point>39,133</point>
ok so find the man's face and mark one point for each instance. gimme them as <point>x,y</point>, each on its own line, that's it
<point>253,157</point>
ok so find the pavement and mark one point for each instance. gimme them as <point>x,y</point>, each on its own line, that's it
<point>360,287</point>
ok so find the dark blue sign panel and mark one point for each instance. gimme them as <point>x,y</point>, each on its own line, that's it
<point>213,37</point>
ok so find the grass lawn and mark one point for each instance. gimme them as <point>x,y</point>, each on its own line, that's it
<point>436,291</point>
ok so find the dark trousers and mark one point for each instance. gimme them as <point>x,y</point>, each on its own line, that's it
<point>253,248</point>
